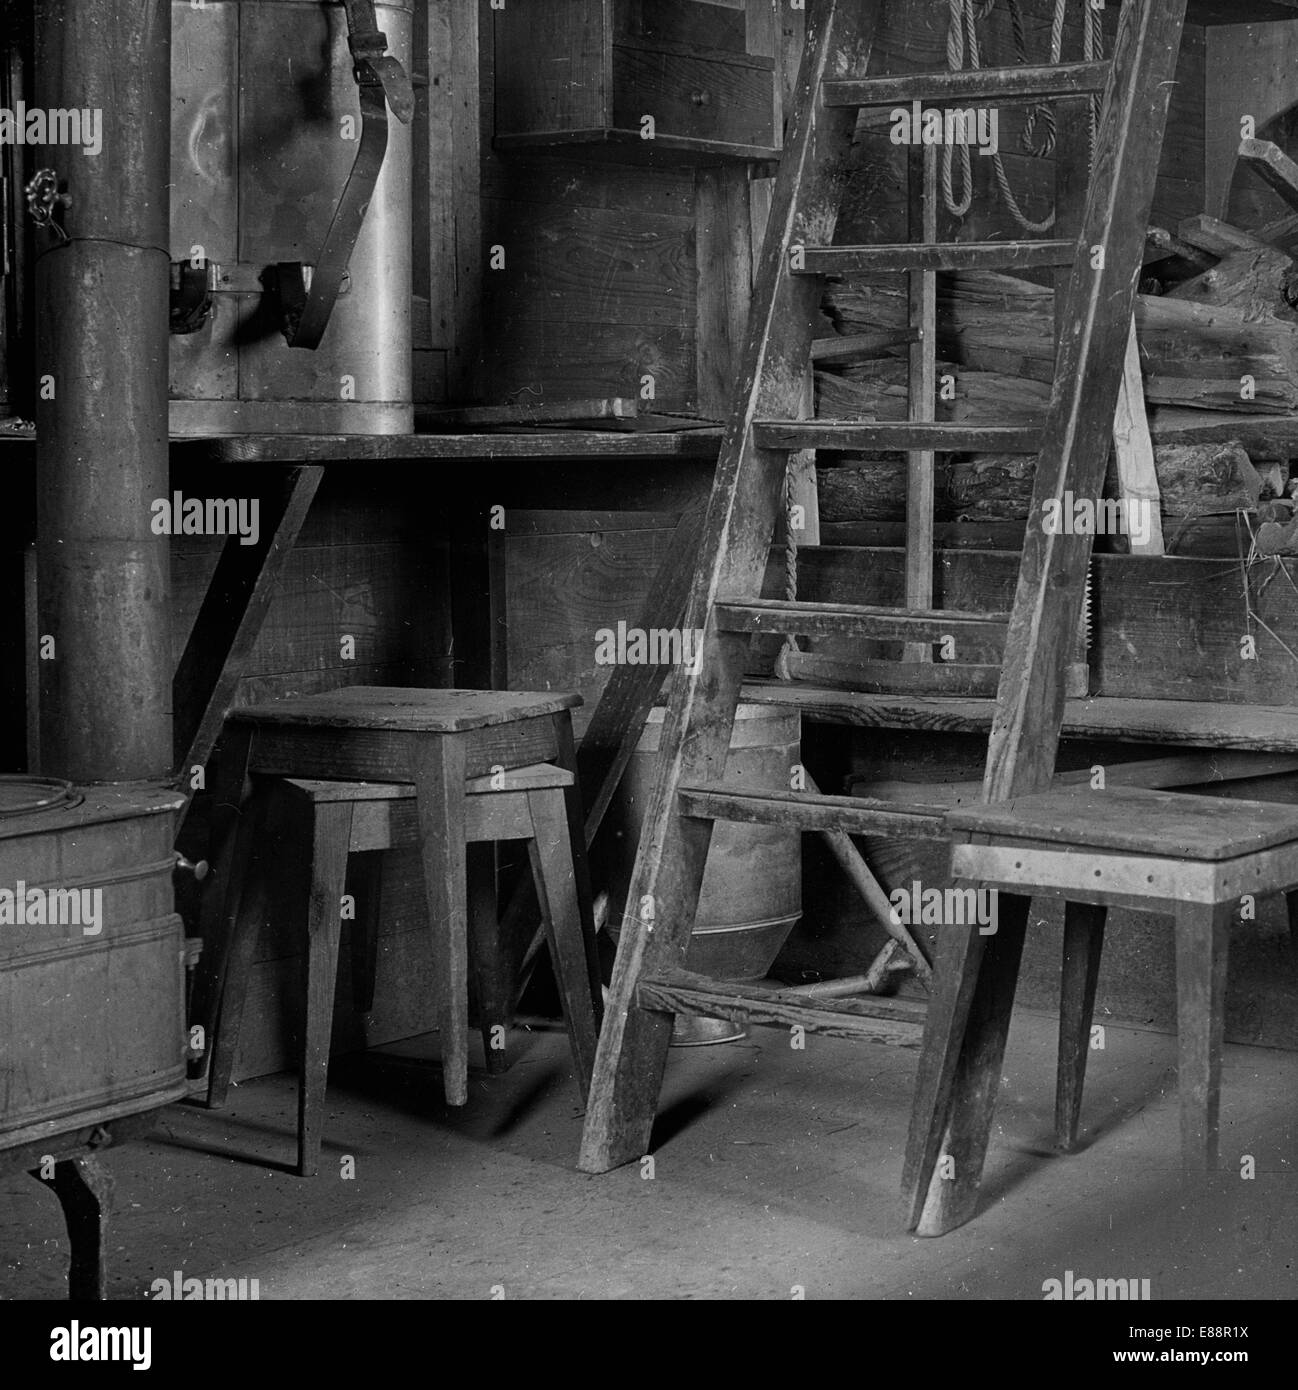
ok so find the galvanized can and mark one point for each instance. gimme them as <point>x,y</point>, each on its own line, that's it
<point>92,1024</point>
<point>265,120</point>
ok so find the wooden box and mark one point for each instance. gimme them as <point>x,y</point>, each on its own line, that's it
<point>678,79</point>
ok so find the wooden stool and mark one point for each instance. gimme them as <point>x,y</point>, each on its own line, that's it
<point>1193,857</point>
<point>435,741</point>
<point>334,819</point>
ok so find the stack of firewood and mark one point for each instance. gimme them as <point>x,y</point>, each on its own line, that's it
<point>1218,332</point>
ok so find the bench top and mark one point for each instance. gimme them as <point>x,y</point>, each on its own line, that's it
<point>413,710</point>
<point>1171,824</point>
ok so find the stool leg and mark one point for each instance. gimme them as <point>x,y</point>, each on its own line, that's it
<point>1291,901</point>
<point>246,900</point>
<point>576,817</point>
<point>330,836</point>
<point>439,776</point>
<point>1083,944</point>
<point>228,854</point>
<point>1202,940</point>
<point>968,1021</point>
<point>490,987</point>
<point>557,890</point>
<point>367,881</point>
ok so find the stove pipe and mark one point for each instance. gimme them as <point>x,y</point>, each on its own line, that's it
<point>101,365</point>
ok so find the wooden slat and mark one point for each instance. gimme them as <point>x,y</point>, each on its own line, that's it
<point>858,620</point>
<point>928,678</point>
<point>921,394</point>
<point>736,536</point>
<point>971,85</point>
<point>1134,450</point>
<point>448,448</point>
<point>956,255</point>
<point>853,347</point>
<point>1181,723</point>
<point>545,412</point>
<point>855,437</point>
<point>851,815</point>
<point>887,1021</point>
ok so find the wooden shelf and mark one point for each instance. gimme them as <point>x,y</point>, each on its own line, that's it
<point>451,448</point>
<point>1185,723</point>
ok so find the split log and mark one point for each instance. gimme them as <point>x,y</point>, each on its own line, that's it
<point>1259,282</point>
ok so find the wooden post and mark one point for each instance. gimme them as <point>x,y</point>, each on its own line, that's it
<point>101,415</point>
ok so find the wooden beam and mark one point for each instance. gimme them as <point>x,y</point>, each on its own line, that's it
<point>225,631</point>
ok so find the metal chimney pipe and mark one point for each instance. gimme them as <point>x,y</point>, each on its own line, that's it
<point>101,365</point>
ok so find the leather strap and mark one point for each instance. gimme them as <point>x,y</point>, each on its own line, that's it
<point>383,83</point>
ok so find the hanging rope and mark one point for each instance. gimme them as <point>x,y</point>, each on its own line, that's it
<point>962,42</point>
<point>790,647</point>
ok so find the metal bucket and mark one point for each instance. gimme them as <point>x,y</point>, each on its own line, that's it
<point>752,886</point>
<point>92,1023</point>
<point>261,93</point>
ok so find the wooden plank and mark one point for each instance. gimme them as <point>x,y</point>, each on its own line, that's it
<point>220,643</point>
<point>857,620</point>
<point>901,438</point>
<point>460,448</point>
<point>1134,450</point>
<point>846,814</point>
<point>524,413</point>
<point>885,1021</point>
<point>1083,944</point>
<point>1134,820</point>
<point>1061,873</point>
<point>931,678</point>
<point>1273,167</point>
<point>1176,723</point>
<point>455,242</point>
<point>957,255</point>
<point>1216,237</point>
<point>737,530</point>
<point>850,347</point>
<point>971,85</point>
<point>921,394</point>
<point>724,255</point>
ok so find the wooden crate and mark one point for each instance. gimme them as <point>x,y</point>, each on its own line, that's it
<point>683,79</point>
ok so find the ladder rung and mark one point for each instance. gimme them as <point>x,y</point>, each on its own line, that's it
<point>785,618</point>
<point>895,677</point>
<point>856,815</point>
<point>894,1022</point>
<point>936,255</point>
<point>990,84</point>
<point>863,436</point>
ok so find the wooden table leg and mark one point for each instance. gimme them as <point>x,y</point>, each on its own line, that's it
<point>572,803</point>
<point>84,1188</point>
<point>1083,944</point>
<point>560,898</point>
<point>367,883</point>
<point>219,904</point>
<point>331,834</point>
<point>1202,941</point>
<point>439,775</point>
<point>960,1068</point>
<point>491,984</point>
<point>245,908</point>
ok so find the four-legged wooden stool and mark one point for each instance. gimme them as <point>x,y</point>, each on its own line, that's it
<point>1193,857</point>
<point>331,820</point>
<point>434,741</point>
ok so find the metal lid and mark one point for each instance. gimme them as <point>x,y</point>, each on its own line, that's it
<point>21,795</point>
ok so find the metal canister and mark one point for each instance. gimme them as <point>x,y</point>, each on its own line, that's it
<point>92,1024</point>
<point>265,119</point>
<point>751,897</point>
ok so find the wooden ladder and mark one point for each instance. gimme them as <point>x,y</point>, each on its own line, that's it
<point>968,1015</point>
